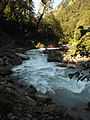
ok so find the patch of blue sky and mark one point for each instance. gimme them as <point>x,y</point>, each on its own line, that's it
<point>37,4</point>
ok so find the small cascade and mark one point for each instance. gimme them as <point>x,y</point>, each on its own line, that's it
<point>48,77</point>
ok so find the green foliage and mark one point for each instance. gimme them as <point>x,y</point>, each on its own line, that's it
<point>73,15</point>
<point>17,10</point>
<point>79,45</point>
<point>85,42</point>
<point>53,24</point>
<point>73,47</point>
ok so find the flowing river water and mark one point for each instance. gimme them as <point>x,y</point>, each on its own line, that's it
<point>47,77</point>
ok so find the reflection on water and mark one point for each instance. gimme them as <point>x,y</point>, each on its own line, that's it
<point>47,77</point>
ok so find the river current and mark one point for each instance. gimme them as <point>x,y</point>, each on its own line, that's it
<point>47,77</point>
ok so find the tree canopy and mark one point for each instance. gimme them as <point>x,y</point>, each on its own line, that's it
<point>17,10</point>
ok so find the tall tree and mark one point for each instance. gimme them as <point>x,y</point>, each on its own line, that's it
<point>45,5</point>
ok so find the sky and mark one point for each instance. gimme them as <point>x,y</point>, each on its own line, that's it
<point>37,4</point>
<point>56,2</point>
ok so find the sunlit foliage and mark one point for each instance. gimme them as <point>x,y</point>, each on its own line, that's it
<point>71,14</point>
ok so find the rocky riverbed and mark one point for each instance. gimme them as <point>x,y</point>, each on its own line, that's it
<point>19,101</point>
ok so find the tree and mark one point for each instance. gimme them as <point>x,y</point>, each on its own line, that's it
<point>45,5</point>
<point>19,10</point>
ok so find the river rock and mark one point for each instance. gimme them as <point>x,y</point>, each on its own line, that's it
<point>16,60</point>
<point>89,105</point>
<point>10,57</point>
<point>72,66</point>
<point>5,70</point>
<point>23,57</point>
<point>85,65</point>
<point>55,56</point>
<point>75,74</point>
<point>61,65</point>
<point>51,107</point>
<point>1,61</point>
<point>42,98</point>
<point>31,89</point>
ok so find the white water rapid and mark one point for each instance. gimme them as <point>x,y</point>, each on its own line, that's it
<point>47,77</point>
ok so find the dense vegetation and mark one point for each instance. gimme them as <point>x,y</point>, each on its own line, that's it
<point>73,19</point>
<point>20,26</point>
<point>16,20</point>
<point>68,24</point>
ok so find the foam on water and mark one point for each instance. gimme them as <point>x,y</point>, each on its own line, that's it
<point>46,76</point>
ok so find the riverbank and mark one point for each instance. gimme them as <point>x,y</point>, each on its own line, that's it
<point>22,101</point>
<point>17,99</point>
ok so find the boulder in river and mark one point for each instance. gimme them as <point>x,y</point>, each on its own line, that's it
<point>55,56</point>
<point>85,64</point>
<point>76,74</point>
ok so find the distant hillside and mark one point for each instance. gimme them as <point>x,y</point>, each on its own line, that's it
<point>71,19</point>
<point>72,14</point>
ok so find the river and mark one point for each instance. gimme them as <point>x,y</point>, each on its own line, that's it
<point>47,77</point>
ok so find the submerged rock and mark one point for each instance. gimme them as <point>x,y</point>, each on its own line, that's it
<point>76,74</point>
